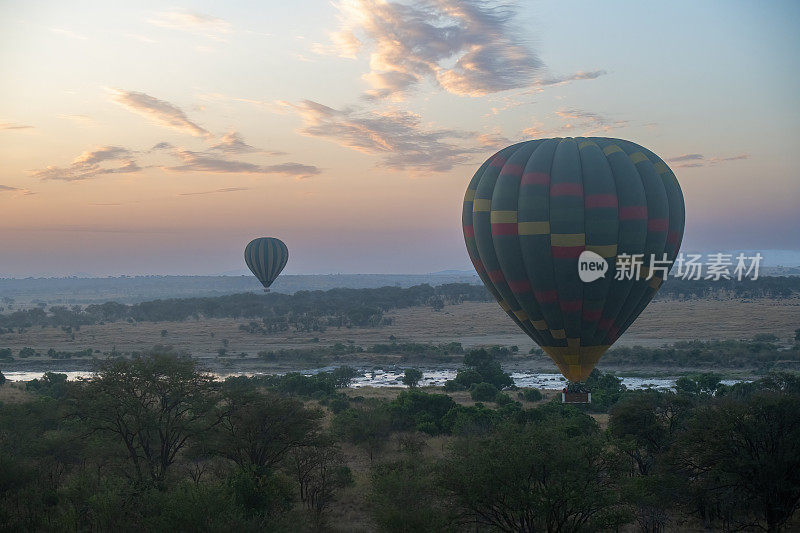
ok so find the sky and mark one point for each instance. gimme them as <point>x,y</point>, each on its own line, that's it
<point>154,138</point>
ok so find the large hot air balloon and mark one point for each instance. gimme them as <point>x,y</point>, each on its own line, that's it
<point>266,257</point>
<point>533,208</point>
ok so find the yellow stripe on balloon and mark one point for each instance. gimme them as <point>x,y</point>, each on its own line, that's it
<point>533,228</point>
<point>481,204</point>
<point>503,217</point>
<point>567,239</point>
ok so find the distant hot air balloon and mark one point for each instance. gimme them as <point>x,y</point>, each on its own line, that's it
<point>533,208</point>
<point>266,257</point>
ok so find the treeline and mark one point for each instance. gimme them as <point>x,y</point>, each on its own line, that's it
<point>304,310</point>
<point>761,352</point>
<point>764,287</point>
<point>155,444</point>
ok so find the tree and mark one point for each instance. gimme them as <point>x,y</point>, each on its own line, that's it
<point>154,404</point>
<point>368,428</point>
<point>412,377</point>
<point>343,376</point>
<point>481,366</point>
<point>320,470</point>
<point>483,392</point>
<point>741,460</point>
<point>534,477</point>
<point>2,379</point>
<point>257,429</point>
<point>646,423</point>
<point>403,497</point>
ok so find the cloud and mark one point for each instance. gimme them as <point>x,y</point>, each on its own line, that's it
<point>14,126</point>
<point>161,146</point>
<point>699,160</point>
<point>232,142</point>
<point>580,75</point>
<point>227,189</point>
<point>685,157</point>
<point>15,190</point>
<point>399,137</point>
<point>92,163</point>
<point>739,157</point>
<point>159,111</point>
<point>192,22</point>
<point>85,120</point>
<point>467,47</point>
<point>69,33</point>
<point>203,162</point>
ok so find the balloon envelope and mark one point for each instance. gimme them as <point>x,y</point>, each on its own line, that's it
<point>266,257</point>
<point>533,208</point>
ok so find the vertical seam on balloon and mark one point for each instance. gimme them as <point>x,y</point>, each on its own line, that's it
<point>549,235</point>
<point>647,234</point>
<point>619,234</point>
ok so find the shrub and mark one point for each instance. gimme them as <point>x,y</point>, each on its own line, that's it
<point>530,395</point>
<point>412,377</point>
<point>483,392</point>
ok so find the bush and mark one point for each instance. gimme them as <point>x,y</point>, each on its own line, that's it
<point>530,395</point>
<point>414,409</point>
<point>412,377</point>
<point>483,392</point>
<point>481,367</point>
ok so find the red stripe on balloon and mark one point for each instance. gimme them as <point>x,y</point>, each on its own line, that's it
<point>496,275</point>
<point>633,212</point>
<point>469,231</point>
<point>658,224</point>
<point>591,315</point>
<point>546,297</point>
<point>601,200</point>
<point>567,252</point>
<point>518,287</point>
<point>498,161</point>
<point>535,178</point>
<point>566,189</point>
<point>673,237</point>
<point>572,306</point>
<point>505,228</point>
<point>513,169</point>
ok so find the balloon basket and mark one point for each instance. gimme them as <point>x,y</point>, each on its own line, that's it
<point>266,290</point>
<point>576,397</point>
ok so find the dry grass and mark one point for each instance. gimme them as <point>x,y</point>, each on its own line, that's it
<point>14,393</point>
<point>469,323</point>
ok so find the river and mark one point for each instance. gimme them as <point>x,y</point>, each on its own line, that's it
<point>393,378</point>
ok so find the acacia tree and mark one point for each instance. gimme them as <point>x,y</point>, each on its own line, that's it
<point>319,469</point>
<point>525,478</point>
<point>645,424</point>
<point>741,460</point>
<point>257,429</point>
<point>153,404</point>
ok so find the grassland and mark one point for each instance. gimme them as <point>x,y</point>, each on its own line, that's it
<point>471,324</point>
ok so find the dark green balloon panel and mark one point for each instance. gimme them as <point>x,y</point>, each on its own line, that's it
<point>530,211</point>
<point>266,257</point>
